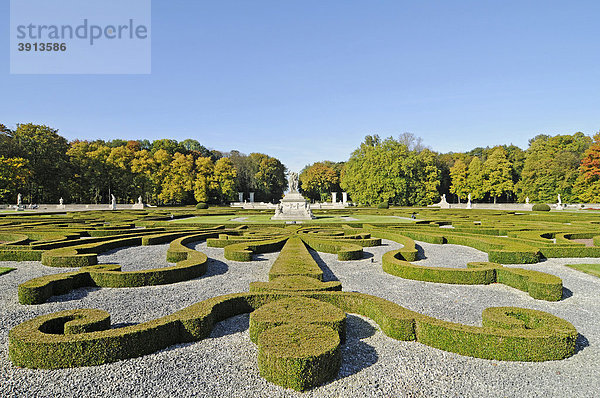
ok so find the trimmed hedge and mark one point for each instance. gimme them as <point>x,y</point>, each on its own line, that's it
<point>345,251</point>
<point>508,333</point>
<point>539,285</point>
<point>244,251</point>
<point>190,264</point>
<point>540,207</point>
<point>295,259</point>
<point>201,205</point>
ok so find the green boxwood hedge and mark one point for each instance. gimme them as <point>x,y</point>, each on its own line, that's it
<point>82,337</point>
<point>540,285</point>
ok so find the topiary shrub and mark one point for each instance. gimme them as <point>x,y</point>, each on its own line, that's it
<point>201,205</point>
<point>383,205</point>
<point>540,207</point>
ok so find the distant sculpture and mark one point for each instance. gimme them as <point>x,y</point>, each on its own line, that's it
<point>443,198</point>
<point>139,200</point>
<point>469,202</point>
<point>559,201</point>
<point>293,181</point>
<point>527,200</point>
<point>113,200</point>
<point>60,201</point>
<point>19,200</point>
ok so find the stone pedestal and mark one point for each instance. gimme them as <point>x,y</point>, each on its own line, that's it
<point>344,197</point>
<point>240,197</point>
<point>333,197</point>
<point>251,197</point>
<point>61,207</point>
<point>293,206</point>
<point>136,206</point>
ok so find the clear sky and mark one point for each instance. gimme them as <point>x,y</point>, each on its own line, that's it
<point>306,80</point>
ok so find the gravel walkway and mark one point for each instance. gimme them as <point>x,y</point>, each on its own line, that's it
<point>374,365</point>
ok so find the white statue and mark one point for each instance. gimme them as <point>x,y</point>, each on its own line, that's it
<point>559,201</point>
<point>293,181</point>
<point>113,200</point>
<point>139,200</point>
<point>443,198</point>
<point>60,201</point>
<point>19,200</point>
<point>469,202</point>
<point>527,200</point>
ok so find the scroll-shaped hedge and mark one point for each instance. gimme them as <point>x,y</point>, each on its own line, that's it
<point>85,254</point>
<point>345,250</point>
<point>508,333</point>
<point>244,251</point>
<point>190,264</point>
<point>539,285</point>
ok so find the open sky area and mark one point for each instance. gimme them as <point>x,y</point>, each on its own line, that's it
<point>306,80</point>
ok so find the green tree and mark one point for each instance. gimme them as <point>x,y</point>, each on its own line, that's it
<point>45,151</point>
<point>458,174</point>
<point>475,179</point>
<point>270,180</point>
<point>428,176</point>
<point>497,174</point>
<point>317,180</point>
<point>387,171</point>
<point>551,167</point>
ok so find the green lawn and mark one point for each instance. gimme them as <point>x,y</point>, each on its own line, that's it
<point>592,269</point>
<point>266,218</point>
<point>4,270</point>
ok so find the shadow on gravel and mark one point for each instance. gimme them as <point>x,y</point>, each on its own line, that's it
<point>215,267</point>
<point>420,252</point>
<point>581,343</point>
<point>566,293</point>
<point>235,324</point>
<point>122,325</point>
<point>357,355</point>
<point>328,275</point>
<point>76,294</point>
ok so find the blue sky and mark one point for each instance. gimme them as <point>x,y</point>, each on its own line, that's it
<point>306,80</point>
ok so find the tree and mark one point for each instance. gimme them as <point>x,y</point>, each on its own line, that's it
<point>551,167</point>
<point>13,175</point>
<point>387,171</point>
<point>587,185</point>
<point>497,174</point>
<point>427,181</point>
<point>204,183</point>
<point>318,180</point>
<point>225,177</point>
<point>269,180</point>
<point>475,179</point>
<point>178,184</point>
<point>45,151</point>
<point>458,174</point>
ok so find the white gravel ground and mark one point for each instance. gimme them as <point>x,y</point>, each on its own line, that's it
<point>374,365</point>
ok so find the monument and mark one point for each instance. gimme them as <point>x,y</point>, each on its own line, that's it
<point>469,206</point>
<point>139,204</point>
<point>113,203</point>
<point>61,204</point>
<point>559,204</point>
<point>293,206</point>
<point>19,206</point>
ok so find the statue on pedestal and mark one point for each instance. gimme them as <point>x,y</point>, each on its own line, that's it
<point>293,181</point>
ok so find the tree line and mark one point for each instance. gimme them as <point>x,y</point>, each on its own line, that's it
<point>402,171</point>
<point>43,166</point>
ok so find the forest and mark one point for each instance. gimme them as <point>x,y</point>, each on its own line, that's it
<point>36,161</point>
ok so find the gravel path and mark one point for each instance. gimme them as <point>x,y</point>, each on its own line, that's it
<point>374,365</point>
